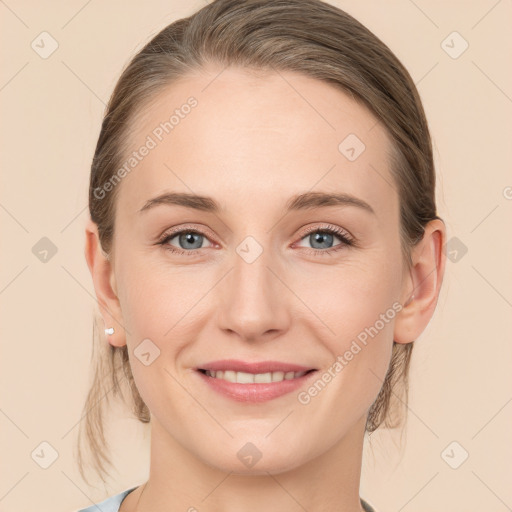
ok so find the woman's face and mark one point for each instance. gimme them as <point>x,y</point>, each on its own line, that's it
<point>259,278</point>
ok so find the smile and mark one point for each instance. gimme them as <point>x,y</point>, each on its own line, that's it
<point>254,387</point>
<point>253,378</point>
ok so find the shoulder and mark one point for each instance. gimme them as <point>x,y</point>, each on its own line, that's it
<point>111,504</point>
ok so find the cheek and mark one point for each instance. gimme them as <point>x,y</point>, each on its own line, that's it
<point>358,302</point>
<point>352,296</point>
<point>162,304</point>
<point>153,310</point>
<point>361,313</point>
<point>152,296</point>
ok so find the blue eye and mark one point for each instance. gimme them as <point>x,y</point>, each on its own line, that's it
<point>190,240</point>
<point>187,239</point>
<point>326,236</point>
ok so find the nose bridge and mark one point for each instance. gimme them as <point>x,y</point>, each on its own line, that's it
<point>253,300</point>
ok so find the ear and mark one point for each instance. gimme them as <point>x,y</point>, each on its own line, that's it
<point>422,284</point>
<point>104,284</point>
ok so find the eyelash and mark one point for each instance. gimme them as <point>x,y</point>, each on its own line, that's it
<point>347,241</point>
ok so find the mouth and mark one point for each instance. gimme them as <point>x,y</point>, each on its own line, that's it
<point>253,382</point>
<point>247,387</point>
<point>240,377</point>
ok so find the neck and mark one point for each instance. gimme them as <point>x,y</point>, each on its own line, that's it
<point>182,480</point>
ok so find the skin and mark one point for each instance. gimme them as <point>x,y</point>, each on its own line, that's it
<point>251,143</point>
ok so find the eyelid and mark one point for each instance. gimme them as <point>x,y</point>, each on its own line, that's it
<point>347,240</point>
<point>171,232</point>
<point>338,231</point>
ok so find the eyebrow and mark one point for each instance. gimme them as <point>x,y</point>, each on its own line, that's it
<point>305,201</point>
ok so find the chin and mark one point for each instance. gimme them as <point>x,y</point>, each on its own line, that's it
<point>242,464</point>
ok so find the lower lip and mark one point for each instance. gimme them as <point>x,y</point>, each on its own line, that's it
<point>254,393</point>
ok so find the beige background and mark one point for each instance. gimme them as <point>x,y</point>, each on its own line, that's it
<point>461,381</point>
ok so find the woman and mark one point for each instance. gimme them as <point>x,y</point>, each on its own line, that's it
<point>264,248</point>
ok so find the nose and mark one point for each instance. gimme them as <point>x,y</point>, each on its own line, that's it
<point>252,299</point>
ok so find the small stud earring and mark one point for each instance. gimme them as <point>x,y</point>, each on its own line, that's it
<point>109,331</point>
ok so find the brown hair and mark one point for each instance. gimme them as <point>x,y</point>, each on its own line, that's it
<point>305,36</point>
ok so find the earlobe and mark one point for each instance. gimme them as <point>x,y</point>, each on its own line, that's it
<point>423,284</point>
<point>104,285</point>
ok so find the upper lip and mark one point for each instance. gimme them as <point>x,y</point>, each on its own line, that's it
<point>257,367</point>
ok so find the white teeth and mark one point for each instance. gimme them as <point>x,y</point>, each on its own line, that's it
<point>276,376</point>
<point>251,378</point>
<point>265,377</point>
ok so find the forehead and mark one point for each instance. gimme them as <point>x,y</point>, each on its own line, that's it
<point>242,137</point>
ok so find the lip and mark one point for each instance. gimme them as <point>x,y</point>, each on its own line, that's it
<point>256,392</point>
<point>237,365</point>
